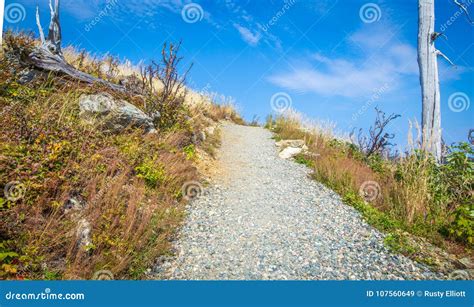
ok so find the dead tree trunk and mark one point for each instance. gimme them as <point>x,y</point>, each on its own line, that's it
<point>48,56</point>
<point>429,79</point>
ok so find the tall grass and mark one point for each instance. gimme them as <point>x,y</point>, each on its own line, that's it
<point>90,201</point>
<point>413,192</point>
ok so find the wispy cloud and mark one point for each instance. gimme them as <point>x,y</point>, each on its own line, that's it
<point>378,58</point>
<point>216,15</point>
<point>247,35</point>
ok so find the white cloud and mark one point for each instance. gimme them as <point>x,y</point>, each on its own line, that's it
<point>379,60</point>
<point>247,35</point>
<point>339,78</point>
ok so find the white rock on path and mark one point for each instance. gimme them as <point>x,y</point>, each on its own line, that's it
<point>291,148</point>
<point>290,152</point>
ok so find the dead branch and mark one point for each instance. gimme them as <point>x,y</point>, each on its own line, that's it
<point>48,56</point>
<point>439,53</point>
<point>172,90</point>
<point>378,140</point>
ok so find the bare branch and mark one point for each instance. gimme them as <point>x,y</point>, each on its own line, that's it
<point>378,140</point>
<point>445,57</point>
<point>54,33</point>
<point>40,28</point>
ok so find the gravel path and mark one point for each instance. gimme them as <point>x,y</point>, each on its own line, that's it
<point>263,218</point>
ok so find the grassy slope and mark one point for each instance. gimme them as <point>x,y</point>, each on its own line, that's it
<point>416,199</point>
<point>130,185</point>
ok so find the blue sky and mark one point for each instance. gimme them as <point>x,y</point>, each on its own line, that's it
<point>336,60</point>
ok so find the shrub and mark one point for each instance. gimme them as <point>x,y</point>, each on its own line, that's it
<point>457,176</point>
<point>302,159</point>
<point>165,87</point>
<point>462,227</point>
<point>378,140</point>
<point>152,172</point>
<point>190,151</point>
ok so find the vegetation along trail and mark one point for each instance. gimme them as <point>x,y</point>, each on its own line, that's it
<point>262,217</point>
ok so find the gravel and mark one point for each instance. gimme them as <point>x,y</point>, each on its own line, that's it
<point>264,218</point>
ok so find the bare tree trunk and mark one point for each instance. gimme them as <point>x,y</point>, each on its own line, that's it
<point>49,55</point>
<point>429,79</point>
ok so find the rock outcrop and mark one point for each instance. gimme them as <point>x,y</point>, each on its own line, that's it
<point>113,115</point>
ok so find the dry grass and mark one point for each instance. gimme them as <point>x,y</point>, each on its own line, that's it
<point>107,66</point>
<point>126,189</point>
<point>409,196</point>
<point>56,158</point>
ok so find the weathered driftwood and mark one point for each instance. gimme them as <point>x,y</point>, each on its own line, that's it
<point>48,56</point>
<point>44,59</point>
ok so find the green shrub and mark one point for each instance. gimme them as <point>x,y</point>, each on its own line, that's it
<point>302,159</point>
<point>376,163</point>
<point>190,152</point>
<point>153,173</point>
<point>453,185</point>
<point>462,228</point>
<point>372,215</point>
<point>458,172</point>
<point>398,243</point>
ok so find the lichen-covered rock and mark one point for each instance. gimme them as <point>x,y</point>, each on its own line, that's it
<point>113,115</point>
<point>27,75</point>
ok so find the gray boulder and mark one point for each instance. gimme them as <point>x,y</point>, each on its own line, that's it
<point>112,114</point>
